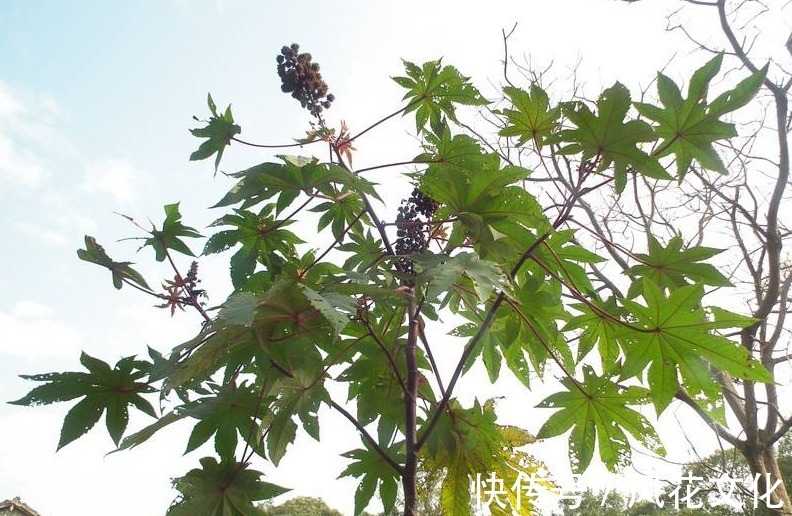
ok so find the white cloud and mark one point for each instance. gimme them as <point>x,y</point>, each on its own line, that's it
<point>114,177</point>
<point>62,223</point>
<point>26,127</point>
<point>34,331</point>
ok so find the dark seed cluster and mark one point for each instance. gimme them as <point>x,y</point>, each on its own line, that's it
<point>191,281</point>
<point>412,230</point>
<point>301,78</point>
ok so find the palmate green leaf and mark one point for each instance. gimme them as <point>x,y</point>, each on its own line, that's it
<point>599,325</point>
<point>146,433</point>
<point>104,390</point>
<point>253,230</point>
<point>469,441</point>
<point>300,395</point>
<point>219,131</point>
<point>296,175</point>
<point>433,91</point>
<point>263,240</point>
<point>671,266</point>
<point>559,255</point>
<point>292,308</point>
<point>365,249</point>
<point>265,321</point>
<point>373,471</point>
<point>689,126</point>
<point>229,410</point>
<point>488,200</point>
<point>227,488</point>
<point>340,213</point>
<point>169,237</point>
<point>673,336</point>
<point>210,352</point>
<point>597,411</point>
<point>527,327</point>
<point>471,432</point>
<point>463,176</point>
<point>455,496</point>
<point>437,274</point>
<point>375,388</point>
<point>607,137</point>
<point>532,117</point>
<point>95,253</point>
<point>512,339</point>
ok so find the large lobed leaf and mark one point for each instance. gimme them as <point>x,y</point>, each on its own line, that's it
<point>688,127</point>
<point>532,118</point>
<point>219,131</point>
<point>598,413</point>
<point>103,391</point>
<point>171,234</point>
<point>227,488</point>
<point>373,471</point>
<point>608,139</point>
<point>673,335</point>
<point>95,253</point>
<point>671,266</point>
<point>433,91</point>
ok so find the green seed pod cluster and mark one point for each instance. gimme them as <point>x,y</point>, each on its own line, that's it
<point>301,77</point>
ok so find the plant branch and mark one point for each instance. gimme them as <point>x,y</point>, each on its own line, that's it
<point>273,146</point>
<point>473,343</point>
<point>719,429</point>
<point>368,437</point>
<point>410,406</point>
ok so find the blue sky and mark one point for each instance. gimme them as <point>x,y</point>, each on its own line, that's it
<point>96,100</point>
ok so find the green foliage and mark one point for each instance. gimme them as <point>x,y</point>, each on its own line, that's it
<point>219,131</point>
<point>470,442</point>
<point>343,304</point>
<point>434,90</point>
<point>607,139</point>
<point>221,489</point>
<point>532,118</point>
<point>597,411</point>
<point>225,411</point>
<point>169,236</point>
<point>688,127</point>
<point>95,253</point>
<point>671,266</point>
<point>368,465</point>
<point>102,389</point>
<point>301,506</point>
<point>673,336</point>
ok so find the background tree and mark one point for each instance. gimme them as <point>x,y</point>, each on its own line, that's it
<point>726,465</point>
<point>743,206</point>
<point>300,506</point>
<point>363,309</point>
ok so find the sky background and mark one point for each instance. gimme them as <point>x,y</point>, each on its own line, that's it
<point>96,99</point>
